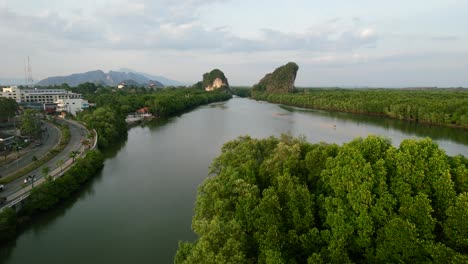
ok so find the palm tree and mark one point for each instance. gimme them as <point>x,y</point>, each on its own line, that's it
<point>86,143</point>
<point>73,155</point>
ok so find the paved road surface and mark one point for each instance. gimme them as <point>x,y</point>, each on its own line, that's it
<point>50,138</point>
<point>77,133</point>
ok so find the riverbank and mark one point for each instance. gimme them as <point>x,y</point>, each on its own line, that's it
<point>431,106</point>
<point>21,206</point>
<point>147,187</point>
<point>51,193</point>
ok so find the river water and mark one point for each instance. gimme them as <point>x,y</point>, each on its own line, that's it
<point>141,204</point>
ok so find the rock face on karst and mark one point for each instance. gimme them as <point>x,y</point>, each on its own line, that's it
<point>279,81</point>
<point>215,80</point>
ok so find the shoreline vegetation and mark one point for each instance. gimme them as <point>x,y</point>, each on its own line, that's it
<point>284,200</point>
<point>444,107</point>
<point>108,119</point>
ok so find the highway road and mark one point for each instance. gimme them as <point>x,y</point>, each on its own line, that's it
<point>77,133</point>
<point>50,138</point>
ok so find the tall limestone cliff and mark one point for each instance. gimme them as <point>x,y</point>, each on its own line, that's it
<point>215,80</point>
<point>279,81</point>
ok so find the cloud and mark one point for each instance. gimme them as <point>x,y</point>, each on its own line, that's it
<point>49,24</point>
<point>445,38</point>
<point>174,25</point>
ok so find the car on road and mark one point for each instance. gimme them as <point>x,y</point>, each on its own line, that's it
<point>30,178</point>
<point>3,200</point>
<point>2,187</point>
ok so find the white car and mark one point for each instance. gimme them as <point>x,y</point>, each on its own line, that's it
<point>30,178</point>
<point>2,187</point>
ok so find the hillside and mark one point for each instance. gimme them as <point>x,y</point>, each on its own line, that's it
<point>112,78</point>
<point>215,80</point>
<point>279,81</point>
<point>161,79</point>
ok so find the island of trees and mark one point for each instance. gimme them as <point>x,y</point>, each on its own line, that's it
<point>288,201</point>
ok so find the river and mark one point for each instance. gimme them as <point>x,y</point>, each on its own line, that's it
<point>142,202</point>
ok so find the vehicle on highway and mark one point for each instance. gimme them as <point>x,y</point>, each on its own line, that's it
<point>2,187</point>
<point>30,178</point>
<point>3,200</point>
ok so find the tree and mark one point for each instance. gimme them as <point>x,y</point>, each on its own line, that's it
<point>73,155</point>
<point>31,125</point>
<point>456,226</point>
<point>109,124</point>
<point>86,143</point>
<point>287,201</point>
<point>8,108</point>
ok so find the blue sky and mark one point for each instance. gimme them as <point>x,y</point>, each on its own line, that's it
<point>336,43</point>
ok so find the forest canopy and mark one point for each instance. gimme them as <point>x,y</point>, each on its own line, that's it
<point>283,200</point>
<point>434,106</point>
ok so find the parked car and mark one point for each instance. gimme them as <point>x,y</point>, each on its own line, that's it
<point>3,200</point>
<point>2,187</point>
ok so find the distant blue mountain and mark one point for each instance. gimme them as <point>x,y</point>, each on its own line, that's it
<point>161,79</point>
<point>112,78</point>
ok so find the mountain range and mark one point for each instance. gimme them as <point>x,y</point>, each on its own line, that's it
<point>161,79</point>
<point>112,78</point>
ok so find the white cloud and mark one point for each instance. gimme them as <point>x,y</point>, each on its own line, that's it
<point>173,25</point>
<point>155,28</point>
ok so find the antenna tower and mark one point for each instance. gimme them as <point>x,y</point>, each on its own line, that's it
<point>30,80</point>
<point>25,68</point>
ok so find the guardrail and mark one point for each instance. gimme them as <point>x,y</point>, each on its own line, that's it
<point>24,193</point>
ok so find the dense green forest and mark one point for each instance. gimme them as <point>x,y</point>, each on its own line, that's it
<point>241,91</point>
<point>434,106</point>
<point>288,201</point>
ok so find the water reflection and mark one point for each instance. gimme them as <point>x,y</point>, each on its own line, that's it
<point>142,205</point>
<point>409,128</point>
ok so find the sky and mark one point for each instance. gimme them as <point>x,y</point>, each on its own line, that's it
<point>360,43</point>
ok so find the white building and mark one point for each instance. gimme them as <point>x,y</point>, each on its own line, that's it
<point>71,106</point>
<point>65,100</point>
<point>44,96</point>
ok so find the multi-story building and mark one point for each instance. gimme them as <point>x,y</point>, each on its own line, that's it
<point>47,97</point>
<point>71,106</point>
